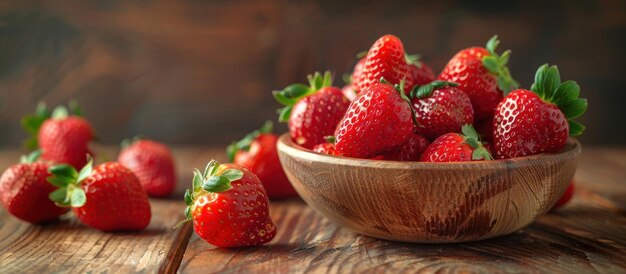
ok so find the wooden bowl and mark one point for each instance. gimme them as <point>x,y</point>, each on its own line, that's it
<point>429,202</point>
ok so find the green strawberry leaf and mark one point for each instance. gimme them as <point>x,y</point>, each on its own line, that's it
<point>564,95</point>
<point>284,114</point>
<point>232,174</point>
<point>188,197</point>
<point>58,196</point>
<point>85,171</point>
<point>330,139</point>
<point>575,129</point>
<point>74,108</point>
<point>198,179</point>
<point>491,63</point>
<point>492,44</point>
<point>78,198</point>
<point>217,184</point>
<point>31,157</point>
<point>64,172</point>
<point>60,112</point>
<point>244,144</point>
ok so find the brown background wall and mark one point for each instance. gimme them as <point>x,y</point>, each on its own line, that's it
<point>202,72</point>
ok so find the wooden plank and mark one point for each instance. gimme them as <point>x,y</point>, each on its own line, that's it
<point>585,236</point>
<point>68,246</point>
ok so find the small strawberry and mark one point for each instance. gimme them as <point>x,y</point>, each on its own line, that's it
<point>378,120</point>
<point>441,108</point>
<point>326,148</point>
<point>63,138</point>
<point>567,196</point>
<point>108,197</point>
<point>258,153</point>
<point>229,207</point>
<point>385,59</point>
<point>455,147</point>
<point>420,72</point>
<point>411,150</point>
<point>482,74</point>
<point>531,122</point>
<point>152,163</point>
<point>312,112</point>
<point>24,191</point>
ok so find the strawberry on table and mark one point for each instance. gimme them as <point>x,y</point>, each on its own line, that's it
<point>378,120</point>
<point>258,153</point>
<point>440,108</point>
<point>455,147</point>
<point>312,112</point>
<point>108,197</point>
<point>411,150</point>
<point>63,137</point>
<point>386,59</point>
<point>538,120</point>
<point>482,74</point>
<point>24,191</point>
<point>152,163</point>
<point>229,206</point>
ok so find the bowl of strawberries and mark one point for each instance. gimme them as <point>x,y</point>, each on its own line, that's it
<point>404,155</point>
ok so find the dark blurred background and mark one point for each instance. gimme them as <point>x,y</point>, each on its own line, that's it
<point>202,72</point>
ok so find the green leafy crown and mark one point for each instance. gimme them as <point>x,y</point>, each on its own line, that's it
<point>68,181</point>
<point>244,144</point>
<point>496,64</point>
<point>472,139</point>
<point>293,93</point>
<point>425,91</point>
<point>32,122</point>
<point>209,181</point>
<point>31,157</point>
<point>564,95</point>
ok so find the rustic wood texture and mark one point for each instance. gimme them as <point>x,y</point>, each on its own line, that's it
<point>586,236</point>
<point>429,202</point>
<point>202,71</point>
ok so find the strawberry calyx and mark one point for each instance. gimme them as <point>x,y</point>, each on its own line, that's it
<point>69,180</point>
<point>32,122</point>
<point>425,91</point>
<point>244,144</point>
<point>212,180</point>
<point>31,157</point>
<point>290,95</point>
<point>496,64</point>
<point>564,95</point>
<point>473,139</point>
<point>330,139</point>
<point>413,59</point>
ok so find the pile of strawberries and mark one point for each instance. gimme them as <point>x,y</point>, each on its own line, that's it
<point>112,196</point>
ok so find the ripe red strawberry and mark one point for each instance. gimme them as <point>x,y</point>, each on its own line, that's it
<point>420,72</point>
<point>411,150</point>
<point>24,191</point>
<point>326,148</point>
<point>385,59</point>
<point>567,196</point>
<point>378,120</point>
<point>538,121</point>
<point>441,108</point>
<point>229,207</point>
<point>63,138</point>
<point>455,147</point>
<point>312,112</point>
<point>108,197</point>
<point>258,153</point>
<point>152,163</point>
<point>482,74</point>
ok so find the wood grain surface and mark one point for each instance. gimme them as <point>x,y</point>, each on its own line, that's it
<point>586,236</point>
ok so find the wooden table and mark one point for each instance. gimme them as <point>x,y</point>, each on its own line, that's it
<point>588,235</point>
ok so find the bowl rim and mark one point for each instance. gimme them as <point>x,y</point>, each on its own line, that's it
<point>286,145</point>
